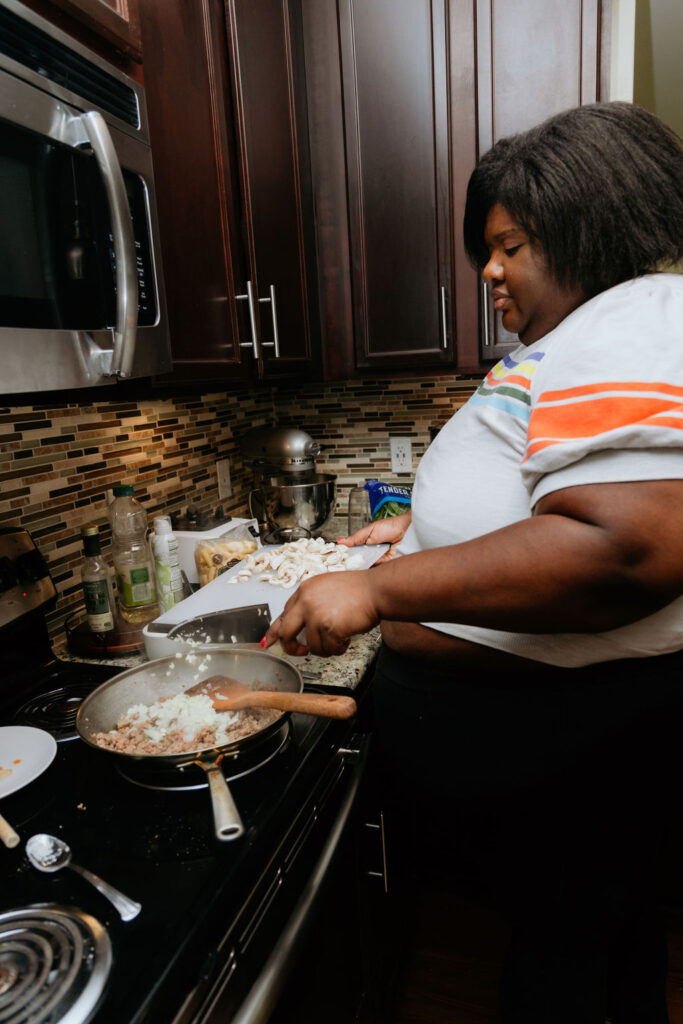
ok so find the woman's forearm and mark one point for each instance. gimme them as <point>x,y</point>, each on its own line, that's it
<point>539,575</point>
<point>616,561</point>
<point>592,558</point>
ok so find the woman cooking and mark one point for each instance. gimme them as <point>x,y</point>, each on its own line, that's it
<point>531,623</point>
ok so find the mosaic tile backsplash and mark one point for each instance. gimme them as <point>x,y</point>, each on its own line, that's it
<point>57,462</point>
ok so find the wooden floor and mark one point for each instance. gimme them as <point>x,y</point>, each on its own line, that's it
<point>452,969</point>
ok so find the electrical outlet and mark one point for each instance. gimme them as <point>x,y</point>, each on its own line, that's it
<point>401,455</point>
<point>224,482</point>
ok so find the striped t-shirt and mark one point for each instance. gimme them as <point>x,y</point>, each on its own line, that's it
<point>597,400</point>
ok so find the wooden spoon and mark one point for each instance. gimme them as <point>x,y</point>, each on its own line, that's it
<point>231,695</point>
<point>7,834</point>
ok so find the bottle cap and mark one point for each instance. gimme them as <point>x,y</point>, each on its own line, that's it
<point>91,539</point>
<point>122,490</point>
<point>162,524</point>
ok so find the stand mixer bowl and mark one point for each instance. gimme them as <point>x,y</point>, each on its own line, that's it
<point>294,508</point>
<point>290,498</point>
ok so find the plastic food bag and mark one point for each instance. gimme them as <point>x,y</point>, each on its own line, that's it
<point>212,557</point>
<point>387,499</point>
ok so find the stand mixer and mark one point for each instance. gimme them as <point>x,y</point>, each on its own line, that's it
<point>290,499</point>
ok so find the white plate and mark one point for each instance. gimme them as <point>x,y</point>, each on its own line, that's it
<point>26,753</point>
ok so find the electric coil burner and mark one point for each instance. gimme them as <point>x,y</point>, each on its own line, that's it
<point>54,963</point>
<point>55,709</point>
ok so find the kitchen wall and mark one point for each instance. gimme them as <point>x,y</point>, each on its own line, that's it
<point>645,59</point>
<point>658,69</point>
<point>57,461</point>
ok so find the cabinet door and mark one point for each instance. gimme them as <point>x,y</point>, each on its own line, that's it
<point>116,21</point>
<point>187,86</point>
<point>265,42</point>
<point>393,55</point>
<point>534,59</point>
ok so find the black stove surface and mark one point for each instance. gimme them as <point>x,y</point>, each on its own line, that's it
<point>54,694</point>
<point>159,848</point>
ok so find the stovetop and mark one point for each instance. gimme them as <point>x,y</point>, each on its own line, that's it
<point>211,910</point>
<point>51,696</point>
<point>159,848</point>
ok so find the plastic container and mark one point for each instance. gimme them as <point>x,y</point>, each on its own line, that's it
<point>213,557</point>
<point>169,579</point>
<point>133,561</point>
<point>98,591</point>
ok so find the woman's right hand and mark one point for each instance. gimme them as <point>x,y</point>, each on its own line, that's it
<point>390,531</point>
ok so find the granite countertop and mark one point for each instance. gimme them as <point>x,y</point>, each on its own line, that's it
<point>340,670</point>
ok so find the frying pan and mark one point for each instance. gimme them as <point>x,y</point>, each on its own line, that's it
<point>171,676</point>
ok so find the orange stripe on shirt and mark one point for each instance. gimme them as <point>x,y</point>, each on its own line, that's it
<point>512,378</point>
<point>659,421</point>
<point>615,385</point>
<point>667,421</point>
<point>538,446</point>
<point>588,418</point>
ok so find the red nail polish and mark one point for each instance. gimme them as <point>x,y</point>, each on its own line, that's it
<point>263,641</point>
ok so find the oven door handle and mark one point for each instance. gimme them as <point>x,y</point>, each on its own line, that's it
<point>125,329</point>
<point>265,992</point>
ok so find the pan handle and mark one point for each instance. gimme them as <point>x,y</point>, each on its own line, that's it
<point>226,818</point>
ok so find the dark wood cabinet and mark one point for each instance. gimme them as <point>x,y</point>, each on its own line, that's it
<point>311,162</point>
<point>393,59</point>
<point>534,59</point>
<point>404,95</point>
<point>266,58</point>
<point>228,135</point>
<point>380,154</point>
<point>116,21</point>
<point>197,185</point>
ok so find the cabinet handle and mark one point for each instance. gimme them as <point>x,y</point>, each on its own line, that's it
<point>275,343</point>
<point>485,301</point>
<point>254,343</point>
<point>444,329</point>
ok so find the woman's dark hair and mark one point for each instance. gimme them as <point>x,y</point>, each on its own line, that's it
<point>599,187</point>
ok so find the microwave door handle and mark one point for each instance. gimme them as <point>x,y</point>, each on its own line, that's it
<point>124,243</point>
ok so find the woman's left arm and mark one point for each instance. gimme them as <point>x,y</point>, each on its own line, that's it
<point>591,558</point>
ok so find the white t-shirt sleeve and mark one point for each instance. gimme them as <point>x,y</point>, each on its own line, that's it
<point>607,402</point>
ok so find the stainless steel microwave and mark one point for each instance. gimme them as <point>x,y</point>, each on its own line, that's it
<point>81,290</point>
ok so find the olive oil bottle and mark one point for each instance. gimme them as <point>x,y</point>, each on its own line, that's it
<point>97,586</point>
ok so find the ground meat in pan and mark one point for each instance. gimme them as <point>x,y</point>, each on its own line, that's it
<point>130,737</point>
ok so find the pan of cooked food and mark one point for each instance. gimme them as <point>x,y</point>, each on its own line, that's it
<point>146,719</point>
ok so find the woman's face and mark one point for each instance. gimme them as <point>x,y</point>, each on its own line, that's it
<point>524,291</point>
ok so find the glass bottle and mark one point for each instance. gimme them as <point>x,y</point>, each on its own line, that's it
<point>133,560</point>
<point>97,586</point>
<point>360,513</point>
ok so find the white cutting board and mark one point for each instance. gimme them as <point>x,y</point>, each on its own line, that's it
<point>220,594</point>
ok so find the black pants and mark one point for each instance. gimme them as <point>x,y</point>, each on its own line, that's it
<point>555,787</point>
